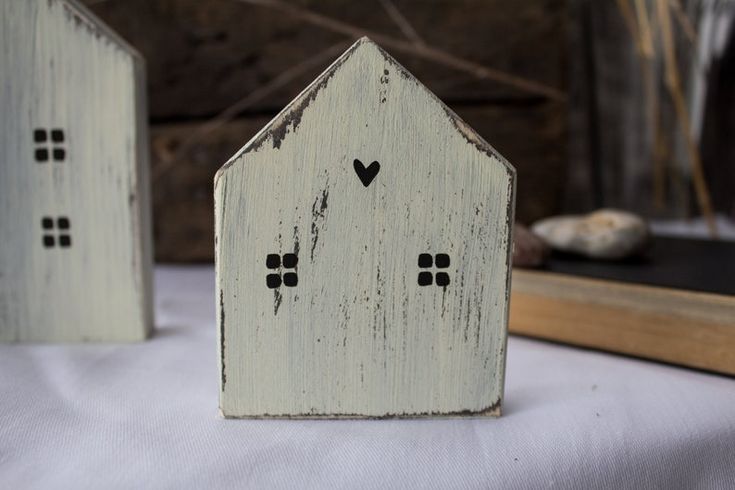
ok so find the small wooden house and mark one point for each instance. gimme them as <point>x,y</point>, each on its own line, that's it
<point>363,243</point>
<point>75,261</point>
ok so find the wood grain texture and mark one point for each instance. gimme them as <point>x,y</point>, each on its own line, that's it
<point>203,56</point>
<point>682,327</point>
<point>68,77</point>
<point>358,337</point>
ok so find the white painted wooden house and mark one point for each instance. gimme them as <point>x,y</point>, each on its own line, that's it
<point>75,260</point>
<point>363,243</point>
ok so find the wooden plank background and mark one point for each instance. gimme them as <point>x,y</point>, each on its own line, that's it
<point>203,57</point>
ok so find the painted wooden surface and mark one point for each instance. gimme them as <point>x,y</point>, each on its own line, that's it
<point>691,328</point>
<point>75,264</point>
<point>361,174</point>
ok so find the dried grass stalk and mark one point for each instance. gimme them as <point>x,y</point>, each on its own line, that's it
<point>673,84</point>
<point>423,51</point>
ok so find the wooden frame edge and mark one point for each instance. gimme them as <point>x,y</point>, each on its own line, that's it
<point>682,327</point>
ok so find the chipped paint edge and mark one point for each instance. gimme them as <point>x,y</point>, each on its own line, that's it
<point>223,374</point>
<point>219,293</point>
<point>293,109</point>
<point>510,210</point>
<point>95,23</point>
<point>493,410</point>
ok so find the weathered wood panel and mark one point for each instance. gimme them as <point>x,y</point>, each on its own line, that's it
<point>203,56</point>
<point>74,204</point>
<point>363,252</point>
<point>683,327</point>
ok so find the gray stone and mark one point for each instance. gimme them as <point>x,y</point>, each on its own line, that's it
<point>604,234</point>
<point>528,249</point>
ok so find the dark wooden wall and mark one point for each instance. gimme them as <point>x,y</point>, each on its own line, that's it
<point>203,57</point>
<point>628,147</point>
<point>718,148</point>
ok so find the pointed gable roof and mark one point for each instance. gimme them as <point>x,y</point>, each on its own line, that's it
<point>289,119</point>
<point>81,14</point>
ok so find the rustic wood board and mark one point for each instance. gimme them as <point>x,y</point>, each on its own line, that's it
<point>203,56</point>
<point>690,328</point>
<point>75,264</point>
<point>361,174</point>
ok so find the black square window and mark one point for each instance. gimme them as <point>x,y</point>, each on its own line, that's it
<point>290,261</point>
<point>290,279</point>
<point>53,150</point>
<point>41,155</point>
<point>39,135</point>
<point>50,239</point>
<point>442,261</point>
<point>57,135</point>
<point>273,281</point>
<point>425,278</point>
<point>273,261</point>
<point>442,279</point>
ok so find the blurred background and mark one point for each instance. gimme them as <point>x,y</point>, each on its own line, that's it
<point>597,103</point>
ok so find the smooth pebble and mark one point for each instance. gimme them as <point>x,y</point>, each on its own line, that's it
<point>604,234</point>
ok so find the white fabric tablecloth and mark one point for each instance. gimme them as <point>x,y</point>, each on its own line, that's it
<point>145,416</point>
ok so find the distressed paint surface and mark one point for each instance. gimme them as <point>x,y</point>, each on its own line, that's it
<point>358,337</point>
<point>63,69</point>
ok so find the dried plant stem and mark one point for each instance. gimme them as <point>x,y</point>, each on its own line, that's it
<point>684,21</point>
<point>660,148</point>
<point>402,22</point>
<point>638,24</point>
<point>644,27</point>
<point>416,46</point>
<point>660,155</point>
<point>648,54</point>
<point>630,22</point>
<point>169,160</point>
<point>674,85</point>
<point>423,51</point>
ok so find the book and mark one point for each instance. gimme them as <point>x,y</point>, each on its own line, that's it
<point>675,303</point>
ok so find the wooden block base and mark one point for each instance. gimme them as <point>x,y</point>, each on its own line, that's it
<point>682,327</point>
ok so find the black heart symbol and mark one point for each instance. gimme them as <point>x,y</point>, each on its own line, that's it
<point>366,175</point>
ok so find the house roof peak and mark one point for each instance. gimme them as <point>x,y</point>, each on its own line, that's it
<point>360,51</point>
